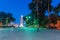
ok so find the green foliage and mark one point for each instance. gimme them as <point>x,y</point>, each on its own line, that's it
<point>57,9</point>
<point>6,18</point>
<point>38,9</point>
<point>53,18</point>
<point>39,13</point>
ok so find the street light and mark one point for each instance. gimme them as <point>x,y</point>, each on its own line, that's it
<point>29,17</point>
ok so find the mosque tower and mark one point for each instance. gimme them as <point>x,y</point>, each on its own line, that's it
<point>21,21</point>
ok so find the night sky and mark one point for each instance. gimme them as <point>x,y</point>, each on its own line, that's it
<point>19,7</point>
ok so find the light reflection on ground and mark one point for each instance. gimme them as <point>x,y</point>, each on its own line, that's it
<point>20,34</point>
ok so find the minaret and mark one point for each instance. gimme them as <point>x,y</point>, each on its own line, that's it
<point>21,21</point>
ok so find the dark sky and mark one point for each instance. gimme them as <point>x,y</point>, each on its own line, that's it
<point>19,7</point>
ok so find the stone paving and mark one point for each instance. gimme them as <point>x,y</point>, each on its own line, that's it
<point>26,35</point>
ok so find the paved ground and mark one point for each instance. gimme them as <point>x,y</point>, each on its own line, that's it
<point>15,34</point>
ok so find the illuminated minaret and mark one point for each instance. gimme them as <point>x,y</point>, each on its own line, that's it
<point>21,21</point>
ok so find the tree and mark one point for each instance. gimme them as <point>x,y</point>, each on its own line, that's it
<point>53,18</point>
<point>38,8</point>
<point>9,18</point>
<point>28,20</point>
<point>6,18</point>
<point>2,15</point>
<point>57,9</point>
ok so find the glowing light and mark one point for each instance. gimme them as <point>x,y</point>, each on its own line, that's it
<point>29,17</point>
<point>21,25</point>
<point>21,21</point>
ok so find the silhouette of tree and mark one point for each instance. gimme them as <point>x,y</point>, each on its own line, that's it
<point>6,18</point>
<point>57,9</point>
<point>38,8</point>
<point>53,18</point>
